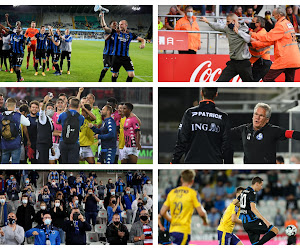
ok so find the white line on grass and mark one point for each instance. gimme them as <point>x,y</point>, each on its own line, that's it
<point>141,78</point>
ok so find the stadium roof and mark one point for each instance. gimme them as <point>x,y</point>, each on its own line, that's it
<point>85,9</point>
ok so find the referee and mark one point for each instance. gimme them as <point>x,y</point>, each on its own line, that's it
<point>204,133</point>
<point>259,138</point>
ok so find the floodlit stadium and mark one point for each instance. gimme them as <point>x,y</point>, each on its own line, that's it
<point>88,40</point>
<point>238,103</point>
<point>278,201</point>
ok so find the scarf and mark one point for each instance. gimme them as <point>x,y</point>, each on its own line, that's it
<point>4,213</point>
<point>76,227</point>
<point>47,232</point>
<point>295,23</point>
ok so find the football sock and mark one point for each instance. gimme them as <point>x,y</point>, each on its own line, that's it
<point>18,74</point>
<point>103,72</point>
<point>129,79</point>
<point>269,235</point>
<point>36,66</point>
<point>56,67</point>
<point>61,64</point>
<point>114,79</point>
<point>47,64</point>
<point>69,65</point>
<point>44,66</point>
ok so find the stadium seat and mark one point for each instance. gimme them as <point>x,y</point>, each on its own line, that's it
<point>92,237</point>
<point>102,214</point>
<point>100,228</point>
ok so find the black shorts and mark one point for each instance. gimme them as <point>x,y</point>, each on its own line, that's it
<point>40,54</point>
<point>66,54</point>
<point>119,61</point>
<point>255,229</point>
<point>5,53</point>
<point>56,57</point>
<point>18,59</point>
<point>292,240</point>
<point>50,53</point>
<point>107,61</point>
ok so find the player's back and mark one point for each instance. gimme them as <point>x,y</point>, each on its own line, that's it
<point>182,201</point>
<point>246,197</point>
<point>226,224</point>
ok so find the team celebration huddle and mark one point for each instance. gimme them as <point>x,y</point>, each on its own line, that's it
<point>42,44</point>
<point>68,130</point>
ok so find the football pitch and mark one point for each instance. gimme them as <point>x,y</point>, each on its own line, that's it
<point>140,161</point>
<point>86,65</point>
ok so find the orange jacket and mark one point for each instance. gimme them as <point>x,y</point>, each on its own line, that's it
<point>194,38</point>
<point>257,53</point>
<point>286,51</point>
<point>30,32</point>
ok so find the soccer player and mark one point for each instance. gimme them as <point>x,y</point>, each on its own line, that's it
<point>181,201</point>
<point>227,223</point>
<point>50,52</point>
<point>253,222</point>
<point>260,138</point>
<point>55,38</point>
<point>108,49</point>
<point>41,39</point>
<point>31,32</point>
<point>122,40</point>
<point>66,50</point>
<point>132,136</point>
<point>18,43</point>
<point>204,133</point>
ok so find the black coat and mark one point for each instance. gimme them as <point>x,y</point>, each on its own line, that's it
<point>112,234</point>
<point>76,239</point>
<point>25,216</point>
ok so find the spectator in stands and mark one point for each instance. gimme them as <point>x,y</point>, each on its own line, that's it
<point>220,204</point>
<point>117,233</point>
<point>291,203</point>
<point>71,179</point>
<point>127,201</point>
<point>2,184</point>
<point>58,215</point>
<point>74,203</point>
<point>220,189</point>
<point>270,21</point>
<point>5,209</point>
<point>110,185</point>
<point>249,12</point>
<point>294,19</point>
<point>137,183</point>
<point>278,219</point>
<point>230,189</point>
<point>12,234</point>
<point>238,10</point>
<point>279,159</point>
<point>101,190</point>
<point>148,188</point>
<point>13,191</point>
<point>208,191</point>
<point>91,209</point>
<point>139,205</point>
<point>120,186</point>
<point>46,196</point>
<point>76,228</point>
<point>32,129</point>
<point>170,21</point>
<point>227,9</point>
<point>189,23</point>
<point>214,217</point>
<point>33,176</point>
<point>39,216</point>
<point>110,193</point>
<point>25,214</point>
<point>141,232</point>
<point>114,206</point>
<point>53,187</point>
<point>45,234</point>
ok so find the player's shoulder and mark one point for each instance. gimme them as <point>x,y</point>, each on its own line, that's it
<point>221,111</point>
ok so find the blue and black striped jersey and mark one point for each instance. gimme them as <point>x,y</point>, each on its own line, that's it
<point>41,40</point>
<point>56,49</point>
<point>122,42</point>
<point>245,198</point>
<point>50,45</point>
<point>17,43</point>
<point>109,45</point>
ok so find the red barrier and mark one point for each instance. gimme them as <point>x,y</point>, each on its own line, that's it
<point>197,68</point>
<point>172,41</point>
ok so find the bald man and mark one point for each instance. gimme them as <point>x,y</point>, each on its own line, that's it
<point>12,234</point>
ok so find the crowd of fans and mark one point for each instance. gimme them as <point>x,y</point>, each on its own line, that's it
<point>217,190</point>
<point>66,207</point>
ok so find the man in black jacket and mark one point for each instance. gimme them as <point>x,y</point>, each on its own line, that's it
<point>25,213</point>
<point>76,228</point>
<point>204,133</point>
<point>117,233</point>
<point>260,137</point>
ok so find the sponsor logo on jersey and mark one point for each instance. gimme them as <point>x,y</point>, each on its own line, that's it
<point>259,136</point>
<point>249,136</point>
<point>206,127</point>
<point>207,114</point>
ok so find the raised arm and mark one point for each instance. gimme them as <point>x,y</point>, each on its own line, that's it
<point>103,23</point>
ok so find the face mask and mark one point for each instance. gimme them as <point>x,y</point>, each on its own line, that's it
<point>76,202</point>
<point>50,112</point>
<point>25,201</point>
<point>231,26</point>
<point>27,182</point>
<point>11,220</point>
<point>75,216</point>
<point>144,217</point>
<point>252,26</point>
<point>48,221</point>
<point>114,202</point>
<point>189,14</point>
<point>57,204</point>
<point>149,182</point>
<point>145,198</point>
<point>90,193</point>
<point>71,174</point>
<point>2,200</point>
<point>127,192</point>
<point>140,204</point>
<point>53,183</point>
<point>43,207</point>
<point>112,193</point>
<point>11,177</point>
<point>117,223</point>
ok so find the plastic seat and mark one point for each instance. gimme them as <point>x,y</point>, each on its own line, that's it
<point>100,228</point>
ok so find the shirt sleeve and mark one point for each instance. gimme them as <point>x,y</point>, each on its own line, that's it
<point>24,121</point>
<point>134,36</point>
<point>252,197</point>
<point>217,26</point>
<point>59,118</point>
<point>167,202</point>
<point>195,200</point>
<point>136,124</point>
<point>235,210</point>
<point>42,117</point>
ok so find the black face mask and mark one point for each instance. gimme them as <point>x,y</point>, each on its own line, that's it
<point>75,216</point>
<point>252,26</point>
<point>11,221</point>
<point>114,202</point>
<point>231,26</point>
<point>117,223</point>
<point>144,218</point>
<point>140,204</point>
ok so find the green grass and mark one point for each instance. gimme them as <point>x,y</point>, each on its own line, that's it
<point>140,161</point>
<point>86,65</point>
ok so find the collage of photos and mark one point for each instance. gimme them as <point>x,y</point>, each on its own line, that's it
<point>241,135</point>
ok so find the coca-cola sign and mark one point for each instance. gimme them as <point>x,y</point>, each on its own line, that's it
<point>197,68</point>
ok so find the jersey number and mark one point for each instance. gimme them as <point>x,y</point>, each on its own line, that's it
<point>178,208</point>
<point>243,200</point>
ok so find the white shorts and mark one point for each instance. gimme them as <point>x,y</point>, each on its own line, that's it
<point>121,154</point>
<point>130,151</point>
<point>85,152</point>
<point>57,152</point>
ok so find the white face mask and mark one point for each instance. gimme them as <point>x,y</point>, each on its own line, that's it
<point>189,14</point>
<point>48,221</point>
<point>57,204</point>
<point>43,207</point>
<point>2,200</point>
<point>90,193</point>
<point>50,112</point>
<point>25,201</point>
